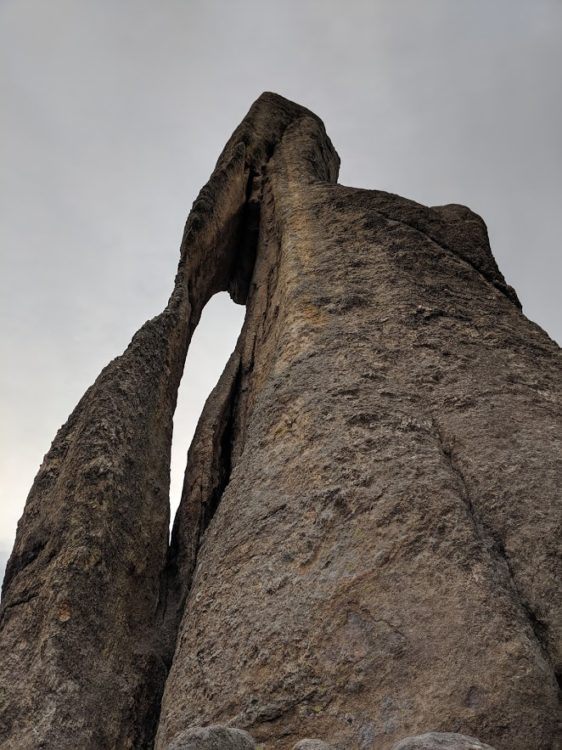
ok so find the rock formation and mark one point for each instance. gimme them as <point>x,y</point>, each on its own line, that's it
<point>441,741</point>
<point>368,542</point>
<point>212,738</point>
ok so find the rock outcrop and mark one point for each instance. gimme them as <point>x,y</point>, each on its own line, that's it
<point>367,545</point>
<point>213,738</point>
<point>441,741</point>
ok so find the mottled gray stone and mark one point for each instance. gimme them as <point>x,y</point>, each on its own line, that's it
<point>87,574</point>
<point>368,536</point>
<point>441,741</point>
<point>309,744</point>
<point>381,461</point>
<point>212,738</point>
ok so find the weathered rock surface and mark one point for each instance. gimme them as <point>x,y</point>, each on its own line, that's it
<point>368,539</point>
<point>384,554</point>
<point>441,741</point>
<point>212,738</point>
<point>84,638</point>
<point>312,745</point>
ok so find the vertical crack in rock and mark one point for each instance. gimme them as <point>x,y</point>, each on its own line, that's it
<point>323,578</point>
<point>248,240</point>
<point>493,542</point>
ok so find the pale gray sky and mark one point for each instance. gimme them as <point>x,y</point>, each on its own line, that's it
<point>113,113</point>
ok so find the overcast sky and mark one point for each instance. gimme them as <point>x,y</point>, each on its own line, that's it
<point>113,113</point>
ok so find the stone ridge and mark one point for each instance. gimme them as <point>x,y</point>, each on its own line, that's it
<point>366,547</point>
<point>83,648</point>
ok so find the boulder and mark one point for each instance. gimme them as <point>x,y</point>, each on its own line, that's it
<point>441,741</point>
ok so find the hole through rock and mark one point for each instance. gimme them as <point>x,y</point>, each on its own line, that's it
<point>212,344</point>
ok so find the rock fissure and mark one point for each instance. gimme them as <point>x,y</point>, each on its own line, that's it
<point>225,456</point>
<point>538,627</point>
<point>482,533</point>
<point>18,602</point>
<point>494,545</point>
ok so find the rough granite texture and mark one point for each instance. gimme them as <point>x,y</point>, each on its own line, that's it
<point>441,741</point>
<point>213,738</point>
<point>368,543</point>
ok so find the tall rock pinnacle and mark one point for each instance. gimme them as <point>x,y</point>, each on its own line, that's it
<point>368,542</point>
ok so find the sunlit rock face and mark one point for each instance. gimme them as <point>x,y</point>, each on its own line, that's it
<point>367,546</point>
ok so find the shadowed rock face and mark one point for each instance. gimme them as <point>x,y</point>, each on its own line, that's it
<point>367,543</point>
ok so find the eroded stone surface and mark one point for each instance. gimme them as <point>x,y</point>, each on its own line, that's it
<point>367,543</point>
<point>212,738</point>
<point>441,741</point>
<point>86,628</point>
<point>376,563</point>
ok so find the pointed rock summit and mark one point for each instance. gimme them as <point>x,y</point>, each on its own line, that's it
<point>368,542</point>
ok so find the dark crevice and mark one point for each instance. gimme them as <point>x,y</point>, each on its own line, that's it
<point>224,460</point>
<point>539,628</point>
<point>247,241</point>
<point>17,602</point>
<point>447,452</point>
<point>491,540</point>
<point>249,227</point>
<point>501,286</point>
<point>17,563</point>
